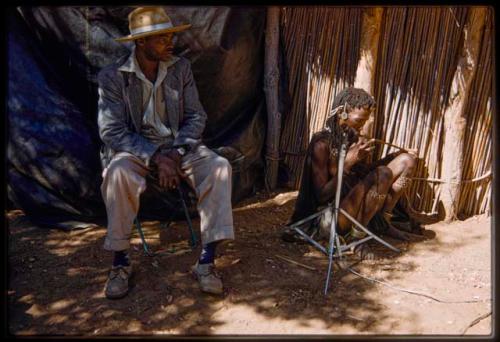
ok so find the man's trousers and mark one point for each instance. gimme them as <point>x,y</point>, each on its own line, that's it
<point>209,174</point>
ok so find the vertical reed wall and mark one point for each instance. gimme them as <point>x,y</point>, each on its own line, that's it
<point>416,62</point>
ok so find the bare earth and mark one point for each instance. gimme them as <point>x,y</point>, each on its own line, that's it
<point>56,281</point>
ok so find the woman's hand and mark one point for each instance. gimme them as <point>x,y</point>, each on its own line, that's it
<point>360,150</point>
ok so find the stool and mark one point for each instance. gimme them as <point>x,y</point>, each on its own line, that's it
<point>193,239</point>
<point>234,157</point>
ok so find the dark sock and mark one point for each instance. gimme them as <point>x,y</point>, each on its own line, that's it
<point>208,253</point>
<point>121,259</point>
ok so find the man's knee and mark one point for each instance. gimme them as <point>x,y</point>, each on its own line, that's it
<point>221,165</point>
<point>118,167</point>
<point>119,170</point>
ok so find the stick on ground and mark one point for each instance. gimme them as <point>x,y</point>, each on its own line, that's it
<point>295,262</point>
<point>477,320</point>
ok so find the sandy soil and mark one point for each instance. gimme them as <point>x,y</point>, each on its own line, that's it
<point>56,281</point>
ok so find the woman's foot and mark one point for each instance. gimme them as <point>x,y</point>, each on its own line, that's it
<point>396,233</point>
<point>364,252</point>
<point>402,225</point>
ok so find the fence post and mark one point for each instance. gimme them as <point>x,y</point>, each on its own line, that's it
<point>365,73</point>
<point>455,117</point>
<point>271,80</point>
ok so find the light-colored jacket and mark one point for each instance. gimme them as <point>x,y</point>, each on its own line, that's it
<point>120,110</point>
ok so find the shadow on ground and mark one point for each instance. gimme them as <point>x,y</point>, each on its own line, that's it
<point>56,279</point>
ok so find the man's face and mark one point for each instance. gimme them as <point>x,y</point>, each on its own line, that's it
<point>357,117</point>
<point>158,47</point>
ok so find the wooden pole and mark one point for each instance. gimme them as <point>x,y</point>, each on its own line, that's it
<point>372,19</point>
<point>271,80</point>
<point>455,116</point>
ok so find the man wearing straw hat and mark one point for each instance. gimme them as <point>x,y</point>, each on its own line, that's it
<point>151,121</point>
<point>367,191</point>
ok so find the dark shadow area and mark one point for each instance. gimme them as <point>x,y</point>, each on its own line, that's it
<point>54,55</point>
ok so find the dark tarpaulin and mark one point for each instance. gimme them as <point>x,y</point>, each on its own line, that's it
<point>54,55</point>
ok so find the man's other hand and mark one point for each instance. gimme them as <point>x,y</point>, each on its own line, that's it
<point>169,168</point>
<point>176,157</point>
<point>167,171</point>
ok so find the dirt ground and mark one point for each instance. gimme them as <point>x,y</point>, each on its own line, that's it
<point>56,281</point>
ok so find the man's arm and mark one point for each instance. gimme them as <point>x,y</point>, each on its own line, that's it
<point>194,116</point>
<point>112,121</point>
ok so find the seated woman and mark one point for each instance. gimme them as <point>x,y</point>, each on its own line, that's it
<point>367,189</point>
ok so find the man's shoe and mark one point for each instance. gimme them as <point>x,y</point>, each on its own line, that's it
<point>117,284</point>
<point>209,281</point>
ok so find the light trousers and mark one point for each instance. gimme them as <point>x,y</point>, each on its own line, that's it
<point>124,180</point>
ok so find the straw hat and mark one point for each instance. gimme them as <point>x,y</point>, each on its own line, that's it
<point>148,21</point>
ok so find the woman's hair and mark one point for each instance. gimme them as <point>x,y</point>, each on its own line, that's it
<point>354,97</point>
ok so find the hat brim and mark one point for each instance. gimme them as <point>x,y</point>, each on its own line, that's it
<point>152,33</point>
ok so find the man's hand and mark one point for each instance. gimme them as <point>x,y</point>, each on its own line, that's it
<point>167,171</point>
<point>169,168</point>
<point>174,155</point>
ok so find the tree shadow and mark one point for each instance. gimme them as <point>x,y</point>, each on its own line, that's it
<point>56,281</point>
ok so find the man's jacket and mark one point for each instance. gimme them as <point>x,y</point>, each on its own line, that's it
<point>121,112</point>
